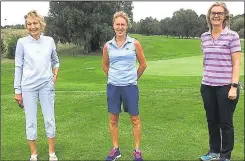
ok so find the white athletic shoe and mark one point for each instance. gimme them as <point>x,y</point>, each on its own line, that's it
<point>53,157</point>
<point>33,157</point>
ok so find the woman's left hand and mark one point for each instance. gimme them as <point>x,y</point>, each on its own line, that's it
<point>232,93</point>
<point>54,78</point>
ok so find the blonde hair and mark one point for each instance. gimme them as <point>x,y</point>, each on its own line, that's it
<point>226,22</point>
<point>123,15</point>
<point>35,15</point>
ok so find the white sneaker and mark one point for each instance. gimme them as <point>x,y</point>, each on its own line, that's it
<point>53,157</point>
<point>33,157</point>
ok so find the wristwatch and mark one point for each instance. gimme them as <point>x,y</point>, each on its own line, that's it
<point>234,85</point>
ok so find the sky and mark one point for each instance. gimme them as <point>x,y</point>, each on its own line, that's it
<point>13,12</point>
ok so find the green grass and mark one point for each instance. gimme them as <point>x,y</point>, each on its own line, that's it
<point>173,119</point>
<point>187,66</point>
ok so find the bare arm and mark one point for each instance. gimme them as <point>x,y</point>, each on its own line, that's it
<point>105,60</point>
<point>141,59</point>
<point>235,48</point>
<point>236,65</point>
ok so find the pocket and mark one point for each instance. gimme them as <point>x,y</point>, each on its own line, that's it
<point>134,89</point>
<point>132,86</point>
<point>51,83</point>
<point>110,91</point>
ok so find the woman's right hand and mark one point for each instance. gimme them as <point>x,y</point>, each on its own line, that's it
<point>19,100</point>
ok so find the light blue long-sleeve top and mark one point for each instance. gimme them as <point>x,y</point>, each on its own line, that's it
<point>34,62</point>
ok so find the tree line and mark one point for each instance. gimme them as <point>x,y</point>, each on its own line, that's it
<point>17,26</point>
<point>89,23</point>
<point>183,24</point>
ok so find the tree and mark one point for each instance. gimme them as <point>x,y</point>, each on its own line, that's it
<point>144,26</point>
<point>135,28</point>
<point>241,33</point>
<point>150,26</point>
<point>238,24</point>
<point>11,45</point>
<point>156,27</point>
<point>3,47</point>
<point>87,23</point>
<point>203,24</point>
<point>165,26</point>
<point>185,23</point>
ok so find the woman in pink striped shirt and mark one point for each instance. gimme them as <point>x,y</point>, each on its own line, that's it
<point>220,84</point>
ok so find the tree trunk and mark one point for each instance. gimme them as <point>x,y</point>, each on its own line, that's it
<point>87,48</point>
<point>95,45</point>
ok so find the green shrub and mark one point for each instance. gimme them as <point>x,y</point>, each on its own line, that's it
<point>241,34</point>
<point>3,47</point>
<point>11,45</point>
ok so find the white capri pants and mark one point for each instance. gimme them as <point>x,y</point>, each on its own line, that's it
<point>46,96</point>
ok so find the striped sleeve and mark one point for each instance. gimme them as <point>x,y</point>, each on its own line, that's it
<point>235,45</point>
<point>201,41</point>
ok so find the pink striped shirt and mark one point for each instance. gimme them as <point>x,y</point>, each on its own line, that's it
<point>217,60</point>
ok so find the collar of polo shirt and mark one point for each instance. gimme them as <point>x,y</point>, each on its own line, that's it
<point>31,38</point>
<point>224,32</point>
<point>113,41</point>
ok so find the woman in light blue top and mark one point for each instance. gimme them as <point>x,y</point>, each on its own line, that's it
<point>119,64</point>
<point>36,69</point>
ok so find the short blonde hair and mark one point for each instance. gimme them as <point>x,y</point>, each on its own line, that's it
<point>34,14</point>
<point>123,15</point>
<point>226,22</point>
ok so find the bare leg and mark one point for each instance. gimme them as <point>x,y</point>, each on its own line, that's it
<point>136,130</point>
<point>113,123</point>
<point>51,145</point>
<point>33,147</point>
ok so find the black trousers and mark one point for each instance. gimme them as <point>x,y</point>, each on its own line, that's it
<point>219,113</point>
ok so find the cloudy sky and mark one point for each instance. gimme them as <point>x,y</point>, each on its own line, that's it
<point>13,12</point>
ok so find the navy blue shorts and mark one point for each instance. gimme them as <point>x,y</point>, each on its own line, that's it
<point>128,95</point>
